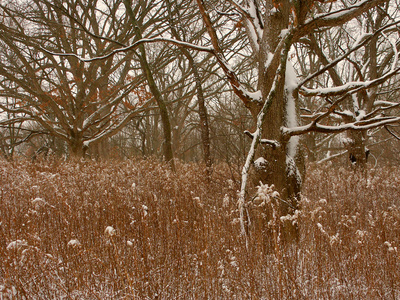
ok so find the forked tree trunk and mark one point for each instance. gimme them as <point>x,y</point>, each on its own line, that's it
<point>280,166</point>
<point>276,159</point>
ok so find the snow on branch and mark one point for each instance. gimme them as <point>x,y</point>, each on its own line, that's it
<point>385,103</point>
<point>254,24</point>
<point>106,109</point>
<point>273,143</point>
<point>134,46</point>
<point>330,157</point>
<point>346,90</point>
<point>362,122</point>
<point>116,123</point>
<point>358,125</point>
<point>379,107</point>
<point>111,129</point>
<point>348,87</point>
<point>254,21</point>
<point>332,91</point>
<point>339,17</point>
<point>360,43</point>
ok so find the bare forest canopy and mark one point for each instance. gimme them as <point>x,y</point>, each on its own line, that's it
<point>169,78</point>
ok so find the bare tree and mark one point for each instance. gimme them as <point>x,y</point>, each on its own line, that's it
<point>80,104</point>
<point>372,60</point>
<point>274,102</point>
<point>175,21</point>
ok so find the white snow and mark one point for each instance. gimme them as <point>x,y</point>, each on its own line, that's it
<point>260,162</point>
<point>74,243</point>
<point>39,203</point>
<point>145,210</point>
<point>361,39</point>
<point>256,96</point>
<point>291,80</point>
<point>284,32</point>
<point>340,13</point>
<point>252,34</point>
<point>361,115</point>
<point>335,90</point>
<point>347,113</point>
<point>390,247</point>
<point>270,56</point>
<point>273,11</point>
<point>291,114</point>
<point>110,231</point>
<point>292,169</point>
<point>258,31</point>
<point>225,201</point>
<point>17,245</point>
<point>198,202</point>
<point>382,102</point>
<point>375,122</point>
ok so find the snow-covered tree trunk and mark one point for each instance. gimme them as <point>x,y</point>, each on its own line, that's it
<point>274,158</point>
<point>272,27</point>
<point>279,164</point>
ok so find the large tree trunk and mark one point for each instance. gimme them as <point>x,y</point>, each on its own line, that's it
<point>278,165</point>
<point>101,150</point>
<point>276,159</point>
<point>358,153</point>
<point>76,148</point>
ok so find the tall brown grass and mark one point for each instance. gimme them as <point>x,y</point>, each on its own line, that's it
<point>135,230</point>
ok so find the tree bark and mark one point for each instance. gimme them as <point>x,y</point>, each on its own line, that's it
<point>76,147</point>
<point>275,169</point>
<point>204,127</point>
<point>281,166</point>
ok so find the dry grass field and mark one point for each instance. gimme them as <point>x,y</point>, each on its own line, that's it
<point>134,230</point>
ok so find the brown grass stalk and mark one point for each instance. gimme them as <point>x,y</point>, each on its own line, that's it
<point>177,235</point>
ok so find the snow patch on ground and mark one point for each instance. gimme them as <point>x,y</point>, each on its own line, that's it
<point>74,243</point>
<point>17,245</point>
<point>110,231</point>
